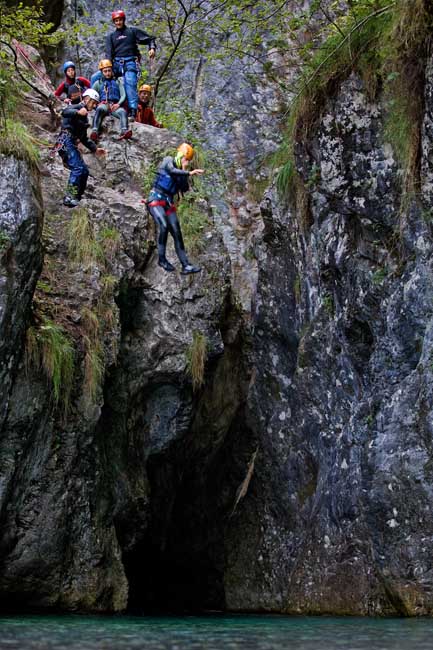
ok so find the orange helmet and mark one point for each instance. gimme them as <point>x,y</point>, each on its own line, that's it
<point>105,63</point>
<point>186,150</point>
<point>118,14</point>
<point>145,87</point>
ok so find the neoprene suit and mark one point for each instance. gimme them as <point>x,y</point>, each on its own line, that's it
<point>169,180</point>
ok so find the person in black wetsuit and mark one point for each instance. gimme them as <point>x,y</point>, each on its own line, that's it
<point>74,130</point>
<point>121,47</point>
<point>171,178</point>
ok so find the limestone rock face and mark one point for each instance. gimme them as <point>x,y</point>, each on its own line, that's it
<point>20,261</point>
<point>338,516</point>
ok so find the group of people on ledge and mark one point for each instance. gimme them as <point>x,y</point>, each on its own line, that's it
<point>112,90</point>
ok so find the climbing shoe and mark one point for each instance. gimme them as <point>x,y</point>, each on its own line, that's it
<point>94,136</point>
<point>126,135</point>
<point>132,113</point>
<point>165,264</point>
<point>190,268</point>
<point>70,202</point>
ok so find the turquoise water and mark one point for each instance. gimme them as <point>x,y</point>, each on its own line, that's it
<point>213,633</point>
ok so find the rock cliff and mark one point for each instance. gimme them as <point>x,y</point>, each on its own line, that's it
<point>297,477</point>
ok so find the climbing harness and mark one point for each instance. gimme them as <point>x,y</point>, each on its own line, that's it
<point>168,210</point>
<point>59,145</point>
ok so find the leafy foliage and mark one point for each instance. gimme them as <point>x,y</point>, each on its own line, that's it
<point>26,25</point>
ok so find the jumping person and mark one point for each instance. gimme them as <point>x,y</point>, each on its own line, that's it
<point>171,178</point>
<point>122,48</point>
<point>69,80</point>
<point>74,128</point>
<point>145,114</point>
<point>112,95</point>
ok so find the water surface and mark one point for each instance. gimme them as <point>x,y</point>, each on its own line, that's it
<point>213,633</point>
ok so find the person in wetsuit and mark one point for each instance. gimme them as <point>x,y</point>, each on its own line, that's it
<point>74,130</point>
<point>171,178</point>
<point>121,47</point>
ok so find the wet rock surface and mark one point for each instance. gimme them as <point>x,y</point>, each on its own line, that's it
<point>297,478</point>
<point>75,488</point>
<point>339,505</point>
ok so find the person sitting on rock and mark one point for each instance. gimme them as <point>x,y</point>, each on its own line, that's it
<point>75,94</point>
<point>145,114</point>
<point>171,178</point>
<point>70,79</point>
<point>112,95</point>
<point>121,47</point>
<point>74,129</point>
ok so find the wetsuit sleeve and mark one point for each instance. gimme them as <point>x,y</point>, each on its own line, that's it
<point>88,143</point>
<point>60,89</point>
<point>71,110</point>
<point>109,49</point>
<point>122,92</point>
<point>174,171</point>
<point>143,38</point>
<point>84,81</point>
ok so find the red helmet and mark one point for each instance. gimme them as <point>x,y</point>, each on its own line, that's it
<point>118,14</point>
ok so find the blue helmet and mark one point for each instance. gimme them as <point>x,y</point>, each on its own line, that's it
<point>68,64</point>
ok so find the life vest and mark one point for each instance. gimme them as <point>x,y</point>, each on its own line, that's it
<point>110,91</point>
<point>165,182</point>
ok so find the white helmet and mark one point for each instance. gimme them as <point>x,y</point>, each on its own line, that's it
<point>92,94</point>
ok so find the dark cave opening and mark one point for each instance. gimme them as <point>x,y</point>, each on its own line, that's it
<point>178,566</point>
<point>174,463</point>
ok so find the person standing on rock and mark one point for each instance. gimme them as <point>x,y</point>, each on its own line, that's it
<point>112,95</point>
<point>69,80</point>
<point>171,178</point>
<point>122,48</point>
<point>145,114</point>
<point>74,130</point>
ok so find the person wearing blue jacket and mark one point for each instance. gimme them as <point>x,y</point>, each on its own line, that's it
<point>171,178</point>
<point>121,47</point>
<point>73,130</point>
<point>112,95</point>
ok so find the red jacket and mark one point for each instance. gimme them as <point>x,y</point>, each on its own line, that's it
<point>63,88</point>
<point>145,115</point>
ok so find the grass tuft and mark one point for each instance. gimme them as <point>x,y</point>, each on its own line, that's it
<point>196,359</point>
<point>82,246</point>
<point>193,222</point>
<point>110,240</point>
<point>15,140</point>
<point>94,366</point>
<point>93,369</point>
<point>48,347</point>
